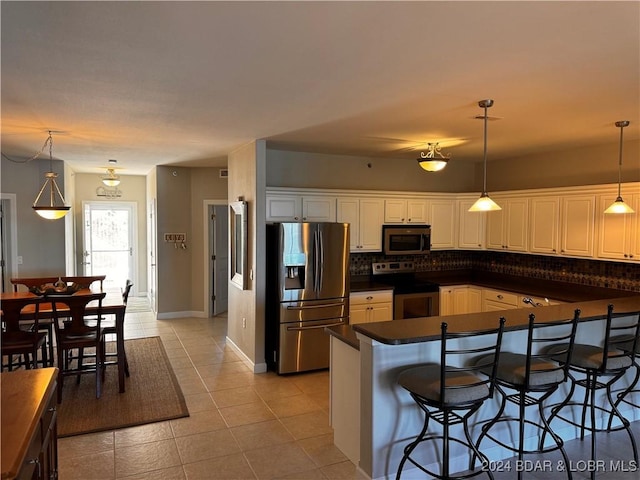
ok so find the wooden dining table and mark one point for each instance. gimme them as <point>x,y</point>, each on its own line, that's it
<point>112,304</point>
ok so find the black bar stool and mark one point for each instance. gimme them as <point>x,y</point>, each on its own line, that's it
<point>534,377</point>
<point>596,363</point>
<point>628,344</point>
<point>454,385</point>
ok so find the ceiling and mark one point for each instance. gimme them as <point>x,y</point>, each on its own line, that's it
<point>185,83</point>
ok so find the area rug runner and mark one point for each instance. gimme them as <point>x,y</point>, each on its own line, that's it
<point>152,394</point>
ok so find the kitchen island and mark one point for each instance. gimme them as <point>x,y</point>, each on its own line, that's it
<point>387,418</point>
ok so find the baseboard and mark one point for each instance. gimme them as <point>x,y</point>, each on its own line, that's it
<point>185,314</point>
<point>254,367</point>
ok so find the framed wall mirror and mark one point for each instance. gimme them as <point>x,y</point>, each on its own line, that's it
<point>238,247</point>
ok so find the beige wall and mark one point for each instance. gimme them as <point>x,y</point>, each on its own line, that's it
<point>133,189</point>
<point>247,180</point>
<point>40,242</point>
<point>583,166</point>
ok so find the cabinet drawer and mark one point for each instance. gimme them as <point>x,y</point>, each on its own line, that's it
<point>363,298</point>
<point>510,299</point>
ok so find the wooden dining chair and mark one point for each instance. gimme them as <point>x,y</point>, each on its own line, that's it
<point>77,334</point>
<point>85,281</point>
<point>21,342</point>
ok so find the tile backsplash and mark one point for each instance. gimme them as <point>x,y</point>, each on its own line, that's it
<point>623,276</point>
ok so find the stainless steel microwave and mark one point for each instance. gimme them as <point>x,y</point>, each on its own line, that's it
<point>406,239</point>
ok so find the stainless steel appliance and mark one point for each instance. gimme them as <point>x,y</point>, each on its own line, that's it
<point>307,290</point>
<point>406,239</point>
<point>413,295</point>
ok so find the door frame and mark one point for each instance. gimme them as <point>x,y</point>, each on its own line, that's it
<point>208,270</point>
<point>133,206</point>
<point>11,224</point>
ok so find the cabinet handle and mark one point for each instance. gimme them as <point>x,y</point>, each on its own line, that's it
<point>369,298</point>
<point>36,462</point>
<point>52,409</point>
<point>304,218</point>
<point>553,250</point>
<point>500,297</point>
<point>295,218</point>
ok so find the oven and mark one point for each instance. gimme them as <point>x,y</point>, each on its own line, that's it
<point>413,296</point>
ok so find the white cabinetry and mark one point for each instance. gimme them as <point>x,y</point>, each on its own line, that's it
<point>365,215</point>
<point>494,300</point>
<point>460,299</point>
<point>544,224</point>
<point>442,217</point>
<point>405,211</point>
<point>577,222</point>
<point>298,208</point>
<point>619,234</point>
<point>371,306</point>
<point>507,228</point>
<point>471,226</point>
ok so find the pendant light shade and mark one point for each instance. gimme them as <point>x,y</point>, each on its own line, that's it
<point>433,160</point>
<point>56,207</point>
<point>619,206</point>
<point>484,203</point>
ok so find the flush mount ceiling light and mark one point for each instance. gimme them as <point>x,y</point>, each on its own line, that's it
<point>484,203</point>
<point>433,160</point>
<point>111,179</point>
<point>54,209</point>
<point>619,206</point>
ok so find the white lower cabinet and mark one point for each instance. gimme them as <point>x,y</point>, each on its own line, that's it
<point>459,299</point>
<point>494,300</point>
<point>371,306</point>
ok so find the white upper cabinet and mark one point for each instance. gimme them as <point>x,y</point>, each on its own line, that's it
<point>507,229</point>
<point>442,217</point>
<point>544,223</point>
<point>318,209</point>
<point>299,208</point>
<point>619,234</point>
<point>576,225</point>
<point>365,215</point>
<point>471,226</point>
<point>405,211</point>
<point>284,208</point>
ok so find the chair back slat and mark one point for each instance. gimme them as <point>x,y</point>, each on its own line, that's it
<point>621,337</point>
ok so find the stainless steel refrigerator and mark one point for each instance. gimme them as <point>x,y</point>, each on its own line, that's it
<point>307,290</point>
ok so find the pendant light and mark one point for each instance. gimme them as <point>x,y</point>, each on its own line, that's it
<point>111,179</point>
<point>484,203</point>
<point>53,210</point>
<point>433,160</point>
<point>619,206</point>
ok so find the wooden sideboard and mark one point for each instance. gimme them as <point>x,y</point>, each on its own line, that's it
<point>29,447</point>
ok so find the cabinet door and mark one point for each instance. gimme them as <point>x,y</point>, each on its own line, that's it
<point>460,300</point>
<point>634,241</point>
<point>618,233</point>
<point>446,301</point>
<point>284,208</point>
<point>371,220</point>
<point>495,231</point>
<point>358,313</point>
<point>577,218</point>
<point>348,211</point>
<point>319,209</point>
<point>395,211</point>
<point>517,224</point>
<point>474,300</point>
<point>471,226</point>
<point>544,223</point>
<point>442,215</point>
<point>381,312</point>
<point>417,211</point>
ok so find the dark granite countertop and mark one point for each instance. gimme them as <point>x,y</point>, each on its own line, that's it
<point>425,329</point>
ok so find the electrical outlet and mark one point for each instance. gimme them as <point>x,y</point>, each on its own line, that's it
<point>244,322</point>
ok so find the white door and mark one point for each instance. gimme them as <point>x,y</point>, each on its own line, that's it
<point>219,258</point>
<point>109,240</point>
<point>152,241</point>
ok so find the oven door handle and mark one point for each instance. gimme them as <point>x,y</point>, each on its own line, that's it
<point>314,327</point>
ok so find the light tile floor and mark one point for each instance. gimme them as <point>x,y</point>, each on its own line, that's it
<point>244,425</point>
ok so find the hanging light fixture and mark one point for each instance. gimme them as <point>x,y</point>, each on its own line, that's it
<point>111,179</point>
<point>484,203</point>
<point>433,160</point>
<point>619,206</point>
<point>53,210</point>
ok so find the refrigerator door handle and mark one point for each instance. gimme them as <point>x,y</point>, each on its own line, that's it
<point>315,327</point>
<point>316,262</point>
<point>310,307</point>
<point>321,260</point>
